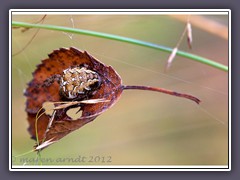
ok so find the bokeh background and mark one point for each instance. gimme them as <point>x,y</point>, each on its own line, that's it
<point>143,128</point>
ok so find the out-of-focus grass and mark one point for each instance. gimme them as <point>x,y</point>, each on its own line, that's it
<point>143,127</point>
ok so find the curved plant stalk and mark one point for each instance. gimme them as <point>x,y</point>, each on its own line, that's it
<point>122,39</point>
<point>161,90</point>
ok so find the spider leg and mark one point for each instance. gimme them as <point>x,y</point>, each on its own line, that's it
<point>49,81</point>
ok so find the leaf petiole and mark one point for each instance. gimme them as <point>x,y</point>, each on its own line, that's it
<point>173,93</point>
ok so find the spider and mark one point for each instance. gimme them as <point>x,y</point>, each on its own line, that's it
<point>76,82</point>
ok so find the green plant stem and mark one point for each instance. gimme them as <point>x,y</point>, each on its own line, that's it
<point>122,39</point>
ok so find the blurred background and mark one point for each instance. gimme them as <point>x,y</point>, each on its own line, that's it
<point>143,128</point>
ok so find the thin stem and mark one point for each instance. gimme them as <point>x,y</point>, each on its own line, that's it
<point>173,93</point>
<point>23,154</point>
<point>122,39</point>
<point>32,38</point>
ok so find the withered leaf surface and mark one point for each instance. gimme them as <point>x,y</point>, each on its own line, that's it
<point>78,79</point>
<point>45,87</point>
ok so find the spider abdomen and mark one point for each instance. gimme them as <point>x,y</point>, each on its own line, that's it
<point>78,81</point>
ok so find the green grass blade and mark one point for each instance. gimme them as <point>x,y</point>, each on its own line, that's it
<point>122,39</point>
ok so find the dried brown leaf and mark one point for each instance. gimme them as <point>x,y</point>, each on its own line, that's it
<point>44,87</point>
<point>97,88</point>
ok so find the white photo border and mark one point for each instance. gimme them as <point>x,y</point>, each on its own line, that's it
<point>117,12</point>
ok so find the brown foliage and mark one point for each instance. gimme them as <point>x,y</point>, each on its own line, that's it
<point>70,78</point>
<point>45,86</point>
